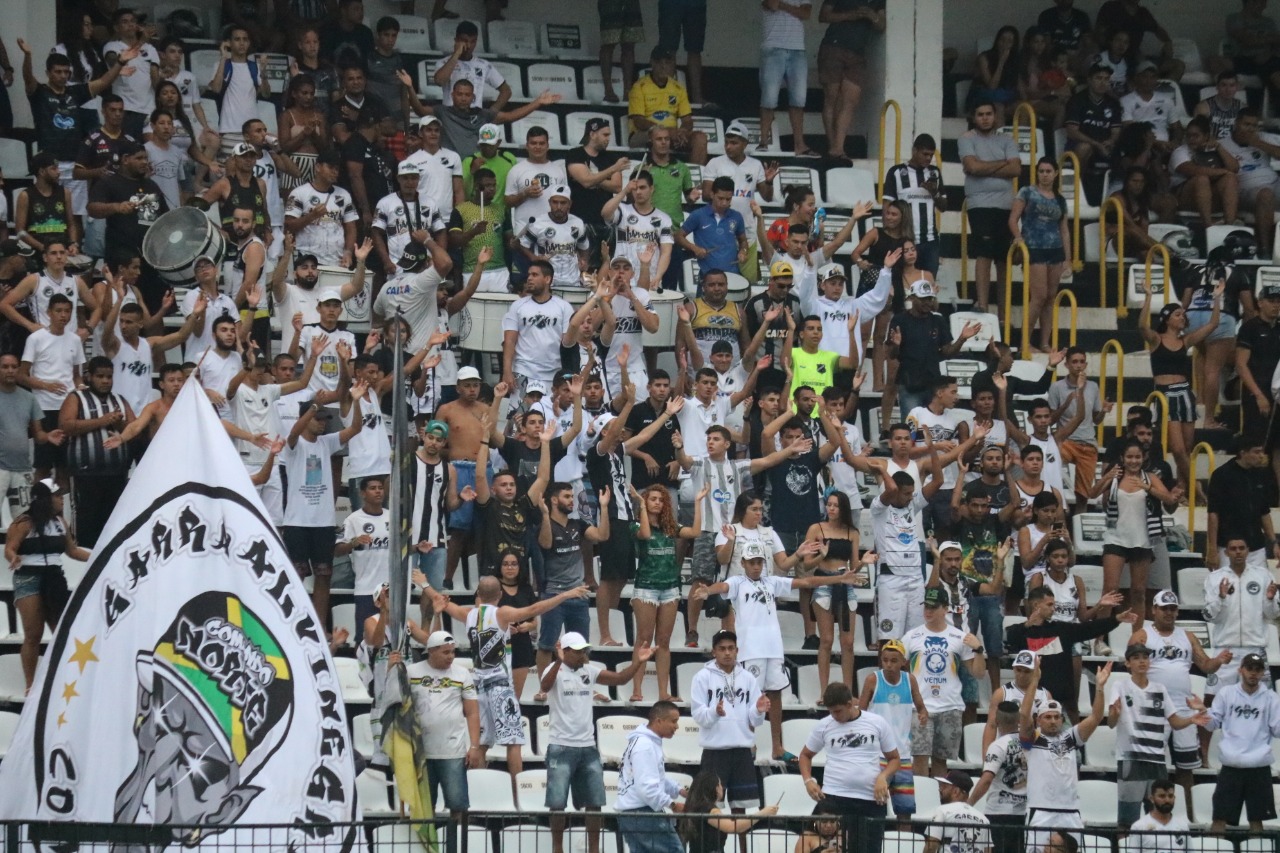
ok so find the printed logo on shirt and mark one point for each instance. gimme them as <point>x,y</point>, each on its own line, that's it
<point>852,741</point>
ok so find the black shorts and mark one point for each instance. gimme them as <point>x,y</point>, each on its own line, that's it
<point>989,235</point>
<point>687,16</point>
<point>49,456</point>
<point>737,771</point>
<point>1128,553</point>
<point>1244,786</point>
<point>311,549</point>
<point>617,553</point>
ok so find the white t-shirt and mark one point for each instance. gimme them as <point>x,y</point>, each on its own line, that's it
<point>239,99</point>
<point>1175,841</point>
<point>369,562</point>
<point>756,612</point>
<point>854,751</point>
<point>221,305</point>
<point>479,71</point>
<point>325,237</point>
<point>265,168</point>
<point>369,452</point>
<point>133,373</point>
<point>254,411</point>
<point>835,322</point>
<point>634,229</point>
<point>297,299</point>
<point>559,243</point>
<point>570,702</point>
<point>898,537</point>
<point>843,475</point>
<point>438,695</point>
<point>435,187</point>
<point>1051,764</point>
<point>961,828</point>
<point>935,658</point>
<point>541,327</point>
<point>166,170</point>
<point>728,479</point>
<point>1255,166</point>
<point>325,375</point>
<point>397,218</point>
<point>805,279</point>
<point>1178,156</point>
<point>135,90</point>
<point>695,419</point>
<point>310,476</point>
<point>627,331</point>
<point>943,427</point>
<point>746,175</point>
<point>53,359</point>
<point>420,307</point>
<point>188,88</point>
<point>521,175</point>
<point>215,373</point>
<point>1161,111</point>
<point>1007,764</point>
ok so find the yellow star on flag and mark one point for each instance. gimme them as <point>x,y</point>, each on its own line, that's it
<point>69,692</point>
<point>83,655</point>
<point>62,719</point>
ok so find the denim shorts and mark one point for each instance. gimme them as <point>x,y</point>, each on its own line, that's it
<point>575,768</point>
<point>25,586</point>
<point>432,564</point>
<point>986,621</point>
<point>778,64</point>
<point>464,517</point>
<point>656,597</point>
<point>451,774</point>
<point>572,615</point>
<point>1226,325</point>
<point>647,831</point>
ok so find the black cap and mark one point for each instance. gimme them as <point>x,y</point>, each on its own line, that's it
<point>936,596</point>
<point>303,258</point>
<point>414,254</point>
<point>1253,660</point>
<point>1136,649</point>
<point>958,778</point>
<point>592,126</point>
<point>128,148</point>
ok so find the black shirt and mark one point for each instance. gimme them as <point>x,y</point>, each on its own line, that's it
<point>344,47</point>
<point>503,527</point>
<point>57,119</point>
<point>775,338</point>
<point>1096,118</point>
<point>588,201</point>
<point>854,36</point>
<point>128,229</point>
<point>982,382</point>
<point>379,171</point>
<point>795,504</point>
<point>1240,497</point>
<point>100,150</point>
<point>523,461</point>
<point>1114,16</point>
<point>659,447</point>
<point>1262,340</point>
<point>1065,34</point>
<point>920,354</point>
<point>1055,660</point>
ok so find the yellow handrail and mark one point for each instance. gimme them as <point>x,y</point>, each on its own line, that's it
<point>1026,296</point>
<point>1163,251</point>
<point>1057,303</point>
<point>964,249</point>
<point>1025,107</point>
<point>897,134</point>
<point>1122,310</point>
<point>1202,447</point>
<point>1077,265</point>
<point>1107,348</point>
<point>1160,398</point>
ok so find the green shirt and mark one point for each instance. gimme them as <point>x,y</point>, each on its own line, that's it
<point>499,165</point>
<point>818,370</point>
<point>670,183</point>
<point>657,567</point>
<point>467,214</point>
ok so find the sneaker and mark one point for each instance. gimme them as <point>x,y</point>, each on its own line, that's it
<point>811,643</point>
<point>1101,649</point>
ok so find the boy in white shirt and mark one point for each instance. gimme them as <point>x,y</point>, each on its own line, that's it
<point>50,369</point>
<point>366,537</point>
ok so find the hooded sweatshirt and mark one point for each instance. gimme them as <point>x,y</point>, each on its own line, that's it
<point>740,691</point>
<point>643,784</point>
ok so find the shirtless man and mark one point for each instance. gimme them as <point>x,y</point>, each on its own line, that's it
<point>153,414</point>
<point>466,434</point>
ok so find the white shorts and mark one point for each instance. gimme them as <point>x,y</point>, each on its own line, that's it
<point>79,189</point>
<point>277,243</point>
<point>492,281</point>
<point>899,605</point>
<point>769,672</point>
<point>1042,822</point>
<point>1229,673</point>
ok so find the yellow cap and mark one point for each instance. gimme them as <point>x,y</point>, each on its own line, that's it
<point>780,268</point>
<point>894,646</point>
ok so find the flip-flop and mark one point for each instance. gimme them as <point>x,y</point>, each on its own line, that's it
<point>675,699</point>
<point>636,697</point>
<point>539,697</point>
<point>787,757</point>
<point>611,644</point>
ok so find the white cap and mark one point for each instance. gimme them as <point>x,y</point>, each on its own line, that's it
<point>408,167</point>
<point>574,640</point>
<point>922,289</point>
<point>52,485</point>
<point>1050,707</point>
<point>428,120</point>
<point>465,373</point>
<point>440,638</point>
<point>829,271</point>
<point>950,546</point>
<point>1165,598</point>
<point>562,191</point>
<point>601,421</point>
<point>1025,659</point>
<point>753,551</point>
<point>490,134</point>
<point>331,294</point>
<point>243,149</point>
<point>737,128</point>
<point>536,386</point>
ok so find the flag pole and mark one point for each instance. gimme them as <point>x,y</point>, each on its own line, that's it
<point>400,501</point>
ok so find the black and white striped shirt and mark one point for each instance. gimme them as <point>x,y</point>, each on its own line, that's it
<point>86,452</point>
<point>430,489</point>
<point>907,182</point>
<point>1142,728</point>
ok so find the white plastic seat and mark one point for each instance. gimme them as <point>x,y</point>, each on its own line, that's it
<point>989,332</point>
<point>795,733</point>
<point>353,690</point>
<point>972,749</point>
<point>617,627</point>
<point>1211,844</point>
<point>1087,530</point>
<point>390,837</point>
<point>1092,577</point>
<point>1098,800</point>
<point>962,370</point>
<point>376,796</point>
<point>928,800</point>
<point>1023,141</point>
<point>490,791</point>
<point>1202,800</point>
<point>204,64</point>
<point>428,90</point>
<point>415,35</point>
<point>518,129</point>
<point>787,790</point>
<point>593,83</point>
<point>807,686</point>
<point>714,129</point>
<point>684,675</point>
<point>513,77</point>
<point>513,38</point>
<point>362,735</point>
<point>683,747</point>
<point>1191,587</point>
<point>847,186</point>
<point>903,842</point>
<point>611,735</point>
<point>1137,274</point>
<point>8,725</point>
<point>556,78</point>
<point>443,30</point>
<point>344,616</point>
<point>799,176</point>
<point>1100,751</point>
<point>1215,235</point>
<point>526,838</point>
<point>531,790</point>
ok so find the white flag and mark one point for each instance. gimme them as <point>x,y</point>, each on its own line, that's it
<point>189,681</point>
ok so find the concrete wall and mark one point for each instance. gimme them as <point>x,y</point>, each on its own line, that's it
<point>34,22</point>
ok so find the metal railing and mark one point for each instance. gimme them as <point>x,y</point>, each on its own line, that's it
<point>1201,448</point>
<point>964,249</point>
<point>1162,417</point>
<point>1024,107</point>
<point>1163,251</point>
<point>1020,248</point>
<point>897,135</point>
<point>1122,307</point>
<point>1077,263</point>
<point>1111,346</point>
<point>1075,312</point>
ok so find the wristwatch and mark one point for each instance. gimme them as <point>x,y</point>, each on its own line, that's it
<point>980,651</point>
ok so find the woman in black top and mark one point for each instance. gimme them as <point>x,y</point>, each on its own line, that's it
<point>838,536</point>
<point>513,574</point>
<point>708,834</point>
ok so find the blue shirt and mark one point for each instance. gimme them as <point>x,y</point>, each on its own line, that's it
<point>718,235</point>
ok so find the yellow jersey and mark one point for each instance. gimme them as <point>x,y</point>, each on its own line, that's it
<point>663,105</point>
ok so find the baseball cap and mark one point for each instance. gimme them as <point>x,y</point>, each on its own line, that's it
<point>1269,291</point>
<point>950,546</point>
<point>52,485</point>
<point>737,128</point>
<point>413,254</point>
<point>465,373</point>
<point>383,589</point>
<point>601,421</point>
<point>574,640</point>
<point>562,191</point>
<point>620,261</point>
<point>490,134</point>
<point>1025,659</point>
<point>1136,649</point>
<point>440,638</point>
<point>923,290</point>
<point>1145,65</point>
<point>593,125</point>
<point>826,272</point>
<point>778,269</point>
<point>439,428</point>
<point>536,387</point>
<point>203,259</point>
<point>306,257</point>
<point>408,167</point>
<point>958,778</point>
<point>1253,660</point>
<point>1165,598</point>
<point>333,294</point>
<point>427,121</point>
<point>243,149</point>
<point>894,646</point>
<point>1051,707</point>
<point>936,596</point>
<point>752,551</point>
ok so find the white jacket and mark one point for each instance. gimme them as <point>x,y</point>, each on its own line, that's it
<point>1248,721</point>
<point>1239,620</point>
<point>643,784</point>
<point>740,691</point>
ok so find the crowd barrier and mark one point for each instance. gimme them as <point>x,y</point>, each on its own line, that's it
<point>1111,346</point>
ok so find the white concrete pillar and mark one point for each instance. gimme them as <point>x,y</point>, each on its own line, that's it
<point>35,23</point>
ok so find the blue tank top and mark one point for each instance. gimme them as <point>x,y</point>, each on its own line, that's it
<point>893,702</point>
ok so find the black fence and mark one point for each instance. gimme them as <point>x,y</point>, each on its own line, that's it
<point>633,832</point>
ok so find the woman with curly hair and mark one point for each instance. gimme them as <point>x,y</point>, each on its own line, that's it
<point>704,830</point>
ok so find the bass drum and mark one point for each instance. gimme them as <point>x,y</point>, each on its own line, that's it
<point>177,238</point>
<point>481,321</point>
<point>357,312</point>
